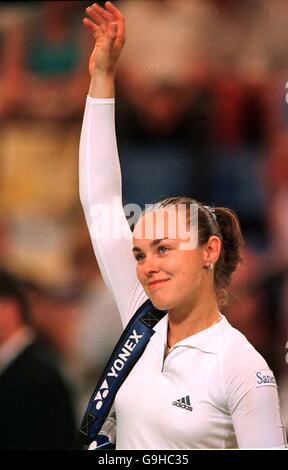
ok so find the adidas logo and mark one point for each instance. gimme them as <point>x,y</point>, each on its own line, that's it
<point>183,403</point>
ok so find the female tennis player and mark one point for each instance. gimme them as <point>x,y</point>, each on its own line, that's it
<point>199,383</point>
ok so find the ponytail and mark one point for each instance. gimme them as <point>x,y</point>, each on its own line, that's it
<point>230,255</point>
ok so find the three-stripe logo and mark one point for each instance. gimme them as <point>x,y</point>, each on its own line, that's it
<point>183,403</point>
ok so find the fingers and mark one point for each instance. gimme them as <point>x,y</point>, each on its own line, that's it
<point>120,23</point>
<point>98,14</point>
<point>106,15</point>
<point>101,21</point>
<point>111,36</point>
<point>92,26</point>
<point>101,15</point>
<point>96,17</point>
<point>113,27</point>
<point>113,10</point>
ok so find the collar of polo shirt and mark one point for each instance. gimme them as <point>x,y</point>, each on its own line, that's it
<point>208,340</point>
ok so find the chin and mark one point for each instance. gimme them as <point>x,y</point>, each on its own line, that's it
<point>161,304</point>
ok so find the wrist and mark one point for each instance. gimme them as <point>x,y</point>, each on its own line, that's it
<point>102,85</point>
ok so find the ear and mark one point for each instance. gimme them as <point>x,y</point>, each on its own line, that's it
<point>212,249</point>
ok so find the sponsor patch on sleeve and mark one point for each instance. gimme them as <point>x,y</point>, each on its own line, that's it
<point>264,377</point>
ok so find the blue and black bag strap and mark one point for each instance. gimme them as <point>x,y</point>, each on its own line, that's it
<point>126,353</point>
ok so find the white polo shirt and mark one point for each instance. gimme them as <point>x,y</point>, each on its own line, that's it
<point>213,390</point>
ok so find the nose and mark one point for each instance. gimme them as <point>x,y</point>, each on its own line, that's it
<point>150,266</point>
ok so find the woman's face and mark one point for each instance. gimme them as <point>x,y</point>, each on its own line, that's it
<point>170,271</point>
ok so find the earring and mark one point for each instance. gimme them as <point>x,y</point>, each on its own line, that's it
<point>209,266</point>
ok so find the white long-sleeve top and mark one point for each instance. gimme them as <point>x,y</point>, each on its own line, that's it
<point>213,390</point>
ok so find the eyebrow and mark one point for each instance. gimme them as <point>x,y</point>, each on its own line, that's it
<point>153,243</point>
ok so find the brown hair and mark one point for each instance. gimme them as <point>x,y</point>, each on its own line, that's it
<point>223,223</point>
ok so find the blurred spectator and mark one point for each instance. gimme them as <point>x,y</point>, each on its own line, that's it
<point>276,178</point>
<point>162,96</point>
<point>54,313</point>
<point>78,319</point>
<point>36,410</point>
<point>249,37</point>
<point>12,15</point>
<point>258,304</point>
<point>44,77</point>
<point>157,77</point>
<point>275,173</point>
<point>247,310</point>
<point>45,62</point>
<point>97,326</point>
<point>38,170</point>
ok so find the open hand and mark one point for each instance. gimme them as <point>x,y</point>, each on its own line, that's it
<point>108,28</point>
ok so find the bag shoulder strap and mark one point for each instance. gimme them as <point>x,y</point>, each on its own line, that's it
<point>126,353</point>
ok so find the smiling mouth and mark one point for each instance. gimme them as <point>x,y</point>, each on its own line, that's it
<point>153,284</point>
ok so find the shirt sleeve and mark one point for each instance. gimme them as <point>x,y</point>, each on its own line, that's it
<point>252,398</point>
<point>101,198</point>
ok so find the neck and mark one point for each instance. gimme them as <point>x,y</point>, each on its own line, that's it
<point>187,321</point>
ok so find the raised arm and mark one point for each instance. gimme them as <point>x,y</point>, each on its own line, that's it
<point>100,174</point>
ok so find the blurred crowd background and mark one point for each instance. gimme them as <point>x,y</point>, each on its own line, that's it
<point>202,109</point>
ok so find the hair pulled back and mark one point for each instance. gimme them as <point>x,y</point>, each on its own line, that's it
<point>224,223</point>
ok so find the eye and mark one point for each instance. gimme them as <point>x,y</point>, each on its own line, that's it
<point>139,256</point>
<point>163,249</point>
